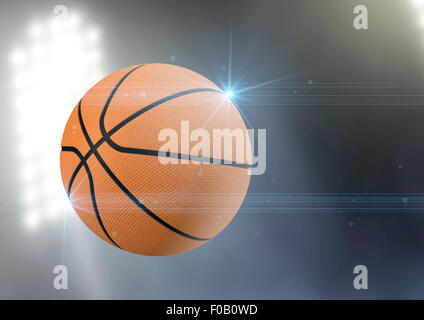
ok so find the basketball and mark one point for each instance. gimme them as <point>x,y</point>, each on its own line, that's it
<point>125,189</point>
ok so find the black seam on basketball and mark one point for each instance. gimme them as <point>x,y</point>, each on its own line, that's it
<point>154,152</point>
<point>126,191</point>
<point>98,143</point>
<point>93,195</point>
<point>148,152</point>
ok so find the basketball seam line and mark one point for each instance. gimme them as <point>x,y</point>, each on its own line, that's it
<point>93,195</point>
<point>178,155</point>
<point>126,191</point>
<point>84,160</point>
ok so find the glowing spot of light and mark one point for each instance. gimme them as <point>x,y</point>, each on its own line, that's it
<point>417,3</point>
<point>32,220</point>
<point>229,93</point>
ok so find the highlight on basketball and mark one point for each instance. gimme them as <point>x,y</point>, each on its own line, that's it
<point>203,157</point>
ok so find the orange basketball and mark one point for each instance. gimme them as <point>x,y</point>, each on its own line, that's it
<point>110,161</point>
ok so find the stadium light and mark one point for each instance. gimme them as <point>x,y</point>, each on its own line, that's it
<point>55,67</point>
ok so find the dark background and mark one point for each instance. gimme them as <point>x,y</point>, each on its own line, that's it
<point>349,120</point>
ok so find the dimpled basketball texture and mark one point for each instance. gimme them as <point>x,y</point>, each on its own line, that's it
<point>112,173</point>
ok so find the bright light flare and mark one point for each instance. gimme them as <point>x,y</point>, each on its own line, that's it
<point>229,93</point>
